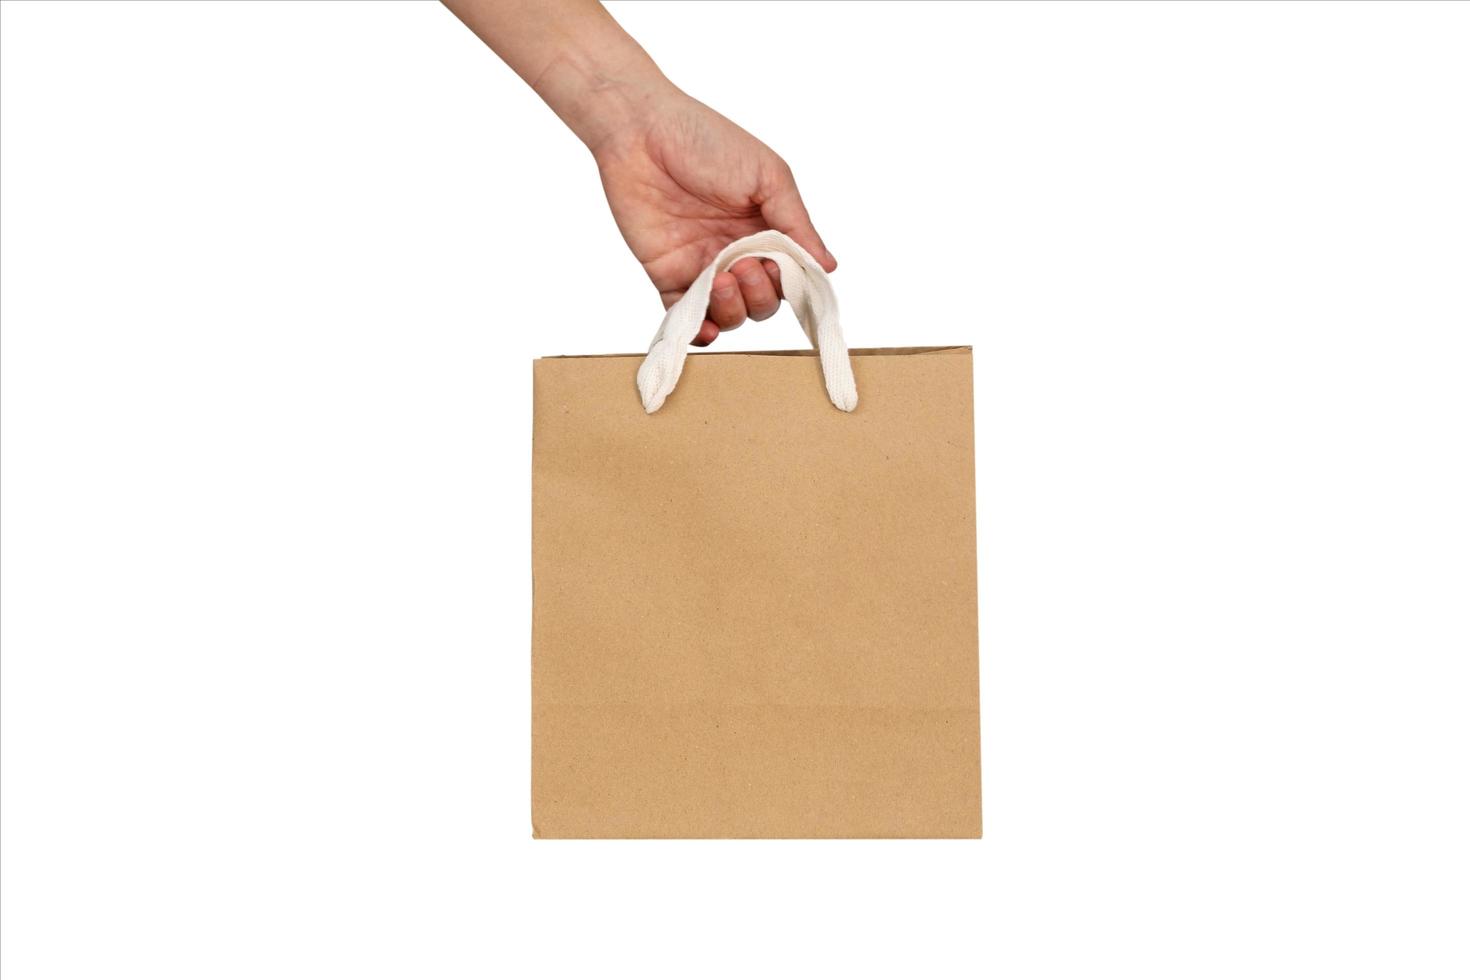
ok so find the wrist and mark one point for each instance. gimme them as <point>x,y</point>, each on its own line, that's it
<point>604,96</point>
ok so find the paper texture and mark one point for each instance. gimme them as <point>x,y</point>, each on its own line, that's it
<point>755,615</point>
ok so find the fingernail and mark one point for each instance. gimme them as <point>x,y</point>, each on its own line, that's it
<point>725,292</point>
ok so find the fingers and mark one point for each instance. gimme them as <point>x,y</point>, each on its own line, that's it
<point>708,331</point>
<point>726,305</point>
<point>751,288</point>
<point>784,211</point>
<point>756,288</point>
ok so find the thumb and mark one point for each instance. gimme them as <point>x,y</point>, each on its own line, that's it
<point>784,211</point>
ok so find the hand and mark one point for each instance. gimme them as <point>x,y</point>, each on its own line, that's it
<point>683,182</point>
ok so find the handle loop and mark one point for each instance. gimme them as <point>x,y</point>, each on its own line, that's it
<point>805,286</point>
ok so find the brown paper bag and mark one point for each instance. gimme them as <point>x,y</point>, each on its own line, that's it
<point>755,614</point>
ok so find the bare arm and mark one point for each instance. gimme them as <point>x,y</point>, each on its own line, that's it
<point>682,180</point>
<point>574,55</point>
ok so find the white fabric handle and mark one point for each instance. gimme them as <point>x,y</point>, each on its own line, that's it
<point>805,286</point>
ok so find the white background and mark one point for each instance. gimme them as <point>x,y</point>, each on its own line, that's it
<point>273,277</point>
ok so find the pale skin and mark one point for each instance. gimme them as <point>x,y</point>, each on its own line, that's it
<point>682,180</point>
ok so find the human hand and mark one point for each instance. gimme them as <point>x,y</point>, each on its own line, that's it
<point>683,182</point>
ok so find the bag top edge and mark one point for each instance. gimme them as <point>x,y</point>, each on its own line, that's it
<point>854,352</point>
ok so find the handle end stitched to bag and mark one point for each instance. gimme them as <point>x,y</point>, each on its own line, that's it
<point>652,374</point>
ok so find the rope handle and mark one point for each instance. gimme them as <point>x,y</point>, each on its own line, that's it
<point>805,286</point>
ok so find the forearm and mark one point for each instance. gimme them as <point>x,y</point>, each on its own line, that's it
<point>575,56</point>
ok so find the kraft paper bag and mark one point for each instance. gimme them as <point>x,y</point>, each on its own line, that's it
<point>755,596</point>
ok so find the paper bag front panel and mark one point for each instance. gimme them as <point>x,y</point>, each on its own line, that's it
<point>755,615</point>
